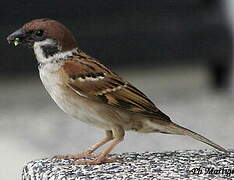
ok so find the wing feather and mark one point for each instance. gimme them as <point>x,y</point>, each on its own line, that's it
<point>90,79</point>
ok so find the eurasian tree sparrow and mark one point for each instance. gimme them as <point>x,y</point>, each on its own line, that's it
<point>88,91</point>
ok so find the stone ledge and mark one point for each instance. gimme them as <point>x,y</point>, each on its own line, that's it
<point>147,165</point>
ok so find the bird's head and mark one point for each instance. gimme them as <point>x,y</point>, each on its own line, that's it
<point>46,36</point>
<point>49,39</point>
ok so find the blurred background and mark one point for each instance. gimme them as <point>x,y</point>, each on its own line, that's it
<point>178,52</point>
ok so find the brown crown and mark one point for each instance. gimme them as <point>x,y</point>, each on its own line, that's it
<point>55,30</point>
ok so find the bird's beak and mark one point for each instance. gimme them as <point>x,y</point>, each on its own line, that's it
<point>16,37</point>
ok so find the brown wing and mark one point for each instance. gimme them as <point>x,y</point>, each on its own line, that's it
<point>92,80</point>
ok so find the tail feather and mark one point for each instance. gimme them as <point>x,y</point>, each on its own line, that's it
<point>176,129</point>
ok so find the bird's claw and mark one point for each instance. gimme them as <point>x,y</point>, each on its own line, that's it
<point>76,156</point>
<point>97,161</point>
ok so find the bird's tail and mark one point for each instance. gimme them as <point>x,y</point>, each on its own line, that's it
<point>176,129</point>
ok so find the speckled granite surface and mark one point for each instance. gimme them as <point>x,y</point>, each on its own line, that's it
<point>189,164</point>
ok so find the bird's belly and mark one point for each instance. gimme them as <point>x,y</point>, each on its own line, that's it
<point>73,104</point>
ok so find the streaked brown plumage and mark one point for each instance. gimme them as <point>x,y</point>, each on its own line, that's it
<point>87,90</point>
<point>110,88</point>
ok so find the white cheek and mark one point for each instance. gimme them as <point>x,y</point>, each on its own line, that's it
<point>42,59</point>
<point>39,52</point>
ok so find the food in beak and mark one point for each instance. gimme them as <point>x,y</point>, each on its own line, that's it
<point>16,41</point>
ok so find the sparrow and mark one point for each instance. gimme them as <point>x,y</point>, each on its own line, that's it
<point>90,92</point>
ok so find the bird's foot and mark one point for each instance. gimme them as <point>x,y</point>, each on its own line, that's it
<point>97,161</point>
<point>75,156</point>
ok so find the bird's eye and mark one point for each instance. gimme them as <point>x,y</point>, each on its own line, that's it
<point>39,33</point>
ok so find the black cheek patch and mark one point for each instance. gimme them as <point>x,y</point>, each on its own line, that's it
<point>49,50</point>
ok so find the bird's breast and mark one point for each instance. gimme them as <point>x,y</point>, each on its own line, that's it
<point>72,103</point>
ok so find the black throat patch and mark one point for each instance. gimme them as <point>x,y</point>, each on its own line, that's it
<point>49,50</point>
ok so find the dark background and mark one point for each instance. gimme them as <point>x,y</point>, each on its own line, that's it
<point>129,33</point>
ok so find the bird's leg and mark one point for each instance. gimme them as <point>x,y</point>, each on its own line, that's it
<point>88,153</point>
<point>118,134</point>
